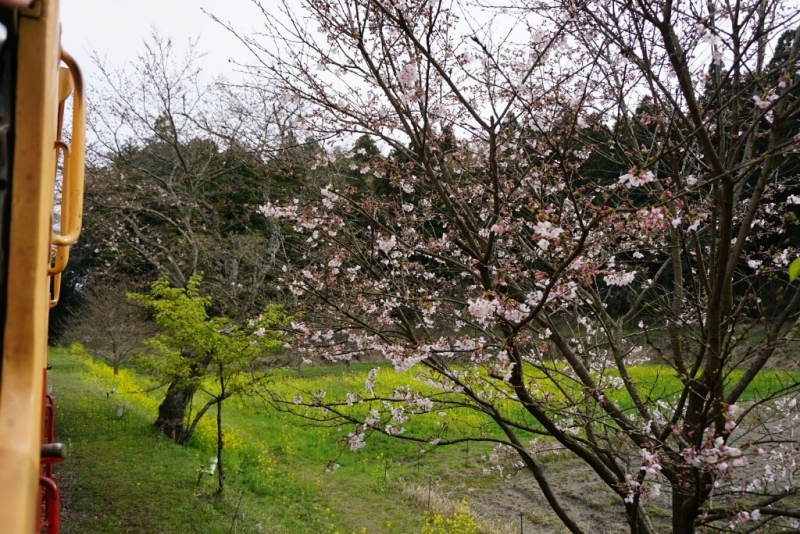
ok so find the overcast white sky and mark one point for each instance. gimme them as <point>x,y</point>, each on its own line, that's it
<point>117,28</point>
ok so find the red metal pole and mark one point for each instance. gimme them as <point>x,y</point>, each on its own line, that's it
<point>52,505</point>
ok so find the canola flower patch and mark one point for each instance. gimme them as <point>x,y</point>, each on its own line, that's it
<point>438,414</point>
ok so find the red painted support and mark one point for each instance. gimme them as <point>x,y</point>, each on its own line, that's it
<point>50,513</point>
<point>50,419</point>
<point>52,506</point>
<point>49,431</point>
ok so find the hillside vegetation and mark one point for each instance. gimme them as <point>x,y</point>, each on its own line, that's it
<point>288,476</point>
<point>123,476</point>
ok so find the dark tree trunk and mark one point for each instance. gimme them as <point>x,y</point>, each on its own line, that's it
<point>220,468</point>
<point>116,359</point>
<point>172,412</point>
<point>631,512</point>
<point>684,512</point>
<point>220,436</point>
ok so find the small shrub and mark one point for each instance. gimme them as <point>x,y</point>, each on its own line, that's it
<point>460,521</point>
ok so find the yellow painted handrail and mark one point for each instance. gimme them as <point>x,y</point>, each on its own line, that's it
<point>61,252</point>
<point>74,163</point>
<point>55,290</point>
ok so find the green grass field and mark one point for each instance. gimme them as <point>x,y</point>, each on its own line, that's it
<point>123,476</point>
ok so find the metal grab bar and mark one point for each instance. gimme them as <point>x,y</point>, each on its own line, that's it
<point>61,252</point>
<point>72,191</point>
<point>56,287</point>
<point>72,183</point>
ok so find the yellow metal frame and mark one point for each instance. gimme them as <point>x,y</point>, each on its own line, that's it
<point>35,251</point>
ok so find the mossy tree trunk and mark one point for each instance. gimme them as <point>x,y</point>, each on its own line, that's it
<point>172,412</point>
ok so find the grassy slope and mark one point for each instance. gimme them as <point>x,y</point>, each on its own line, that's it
<point>120,475</point>
<point>123,477</point>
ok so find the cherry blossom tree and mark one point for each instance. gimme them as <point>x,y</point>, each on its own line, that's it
<point>576,188</point>
<point>179,166</point>
<point>109,325</point>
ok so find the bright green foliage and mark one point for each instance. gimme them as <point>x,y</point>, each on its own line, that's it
<point>794,269</point>
<point>212,354</point>
<point>190,338</point>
